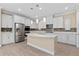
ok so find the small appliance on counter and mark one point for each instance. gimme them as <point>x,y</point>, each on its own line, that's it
<point>27,29</point>
<point>49,28</point>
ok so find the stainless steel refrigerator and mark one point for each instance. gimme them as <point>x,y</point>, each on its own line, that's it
<point>19,32</point>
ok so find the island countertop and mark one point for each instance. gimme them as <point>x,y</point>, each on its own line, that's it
<point>42,34</point>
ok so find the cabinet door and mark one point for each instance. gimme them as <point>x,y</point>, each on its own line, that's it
<point>9,21</point>
<point>7,38</point>
<point>3,37</point>
<point>72,39</point>
<point>67,23</point>
<point>58,22</point>
<point>6,20</point>
<point>10,37</point>
<point>77,40</point>
<point>62,38</point>
<point>55,23</point>
<point>19,19</point>
<point>4,24</point>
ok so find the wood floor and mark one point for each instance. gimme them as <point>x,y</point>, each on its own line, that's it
<point>66,50</point>
<point>21,49</point>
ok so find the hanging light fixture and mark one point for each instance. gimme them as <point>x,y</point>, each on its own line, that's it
<point>31,22</point>
<point>44,19</point>
<point>37,21</point>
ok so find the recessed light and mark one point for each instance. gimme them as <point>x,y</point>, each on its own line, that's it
<point>40,8</point>
<point>66,8</point>
<point>19,9</point>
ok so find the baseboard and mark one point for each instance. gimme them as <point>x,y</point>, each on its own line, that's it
<point>40,49</point>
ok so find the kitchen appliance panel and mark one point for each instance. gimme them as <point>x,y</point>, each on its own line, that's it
<point>19,32</point>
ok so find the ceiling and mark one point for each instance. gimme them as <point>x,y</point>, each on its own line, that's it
<point>32,9</point>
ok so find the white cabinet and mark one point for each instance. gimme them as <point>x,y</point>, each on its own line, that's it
<point>27,22</point>
<point>77,36</point>
<point>62,38</point>
<point>55,21</point>
<point>58,22</point>
<point>67,23</point>
<point>77,40</point>
<point>72,39</point>
<point>68,38</point>
<point>7,38</point>
<point>7,20</point>
<point>19,19</point>
<point>77,21</point>
<point>49,20</point>
<point>3,34</point>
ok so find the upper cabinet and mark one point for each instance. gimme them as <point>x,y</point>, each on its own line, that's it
<point>58,22</point>
<point>70,19</point>
<point>27,22</point>
<point>67,23</point>
<point>42,24</point>
<point>7,20</point>
<point>19,19</point>
<point>49,20</point>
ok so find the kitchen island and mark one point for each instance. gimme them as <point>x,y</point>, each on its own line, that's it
<point>42,41</point>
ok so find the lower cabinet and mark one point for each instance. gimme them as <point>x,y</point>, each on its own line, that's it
<point>72,39</point>
<point>62,38</point>
<point>7,38</point>
<point>68,38</point>
<point>77,41</point>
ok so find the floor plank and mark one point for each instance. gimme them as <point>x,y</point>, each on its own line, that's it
<point>20,49</point>
<point>66,50</point>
